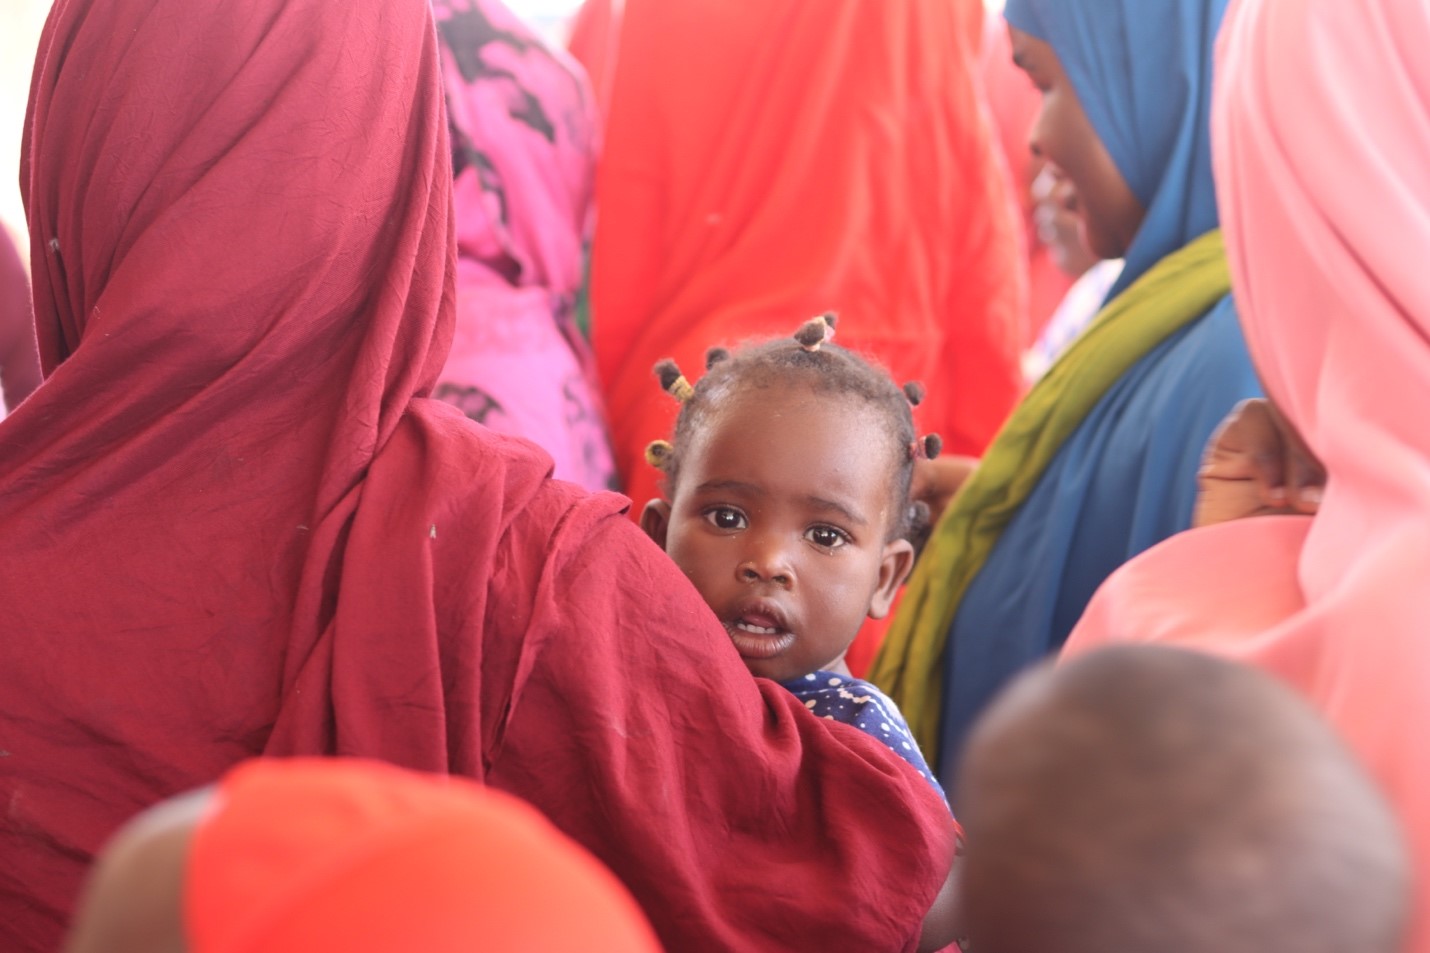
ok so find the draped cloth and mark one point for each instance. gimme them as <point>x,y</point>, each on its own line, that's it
<point>244,529</point>
<point>1142,72</point>
<point>525,133</point>
<point>306,854</point>
<point>1172,295</point>
<point>595,42</point>
<point>766,162</point>
<point>1121,421</point>
<point>1337,313</point>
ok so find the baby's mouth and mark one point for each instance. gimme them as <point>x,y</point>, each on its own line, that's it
<point>759,634</point>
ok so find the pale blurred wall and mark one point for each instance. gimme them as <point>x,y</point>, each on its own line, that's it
<point>20,23</point>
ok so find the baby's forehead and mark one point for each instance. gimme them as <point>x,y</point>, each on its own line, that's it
<point>789,405</point>
<point>845,424</point>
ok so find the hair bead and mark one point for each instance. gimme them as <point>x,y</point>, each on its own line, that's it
<point>816,331</point>
<point>672,381</point>
<point>658,453</point>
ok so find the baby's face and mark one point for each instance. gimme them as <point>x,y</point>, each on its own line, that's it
<point>781,519</point>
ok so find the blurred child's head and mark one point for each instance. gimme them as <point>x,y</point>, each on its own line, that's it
<point>308,854</point>
<point>1142,799</point>
<point>787,496</point>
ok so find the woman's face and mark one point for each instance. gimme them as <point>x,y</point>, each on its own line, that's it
<point>1064,137</point>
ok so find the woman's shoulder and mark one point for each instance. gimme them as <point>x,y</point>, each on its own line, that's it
<point>1209,359</point>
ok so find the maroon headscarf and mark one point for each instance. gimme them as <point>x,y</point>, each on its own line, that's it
<point>233,525</point>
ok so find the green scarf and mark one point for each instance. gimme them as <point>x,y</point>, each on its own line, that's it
<point>1172,294</point>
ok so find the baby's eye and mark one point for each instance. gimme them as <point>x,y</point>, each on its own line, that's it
<point>826,536</point>
<point>725,517</point>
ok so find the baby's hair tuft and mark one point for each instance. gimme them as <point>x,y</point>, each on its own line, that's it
<point>807,359</point>
<point>658,453</point>
<point>672,381</point>
<point>920,525</point>
<point>816,332</point>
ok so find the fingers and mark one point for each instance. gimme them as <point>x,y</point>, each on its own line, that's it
<point>1303,476</point>
<point>936,481</point>
<point>1243,468</point>
<point>1256,463</point>
<point>1245,446</point>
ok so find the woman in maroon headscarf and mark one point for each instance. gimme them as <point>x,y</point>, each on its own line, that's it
<point>234,525</point>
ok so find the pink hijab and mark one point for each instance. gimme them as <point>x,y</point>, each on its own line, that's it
<point>1327,214</point>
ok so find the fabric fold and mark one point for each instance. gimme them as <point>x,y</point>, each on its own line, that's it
<point>243,527</point>
<point>766,163</point>
<point>1178,290</point>
<point>1336,308</point>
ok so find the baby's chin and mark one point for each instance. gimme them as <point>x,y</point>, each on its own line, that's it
<point>772,669</point>
<point>780,670</point>
<point>764,669</point>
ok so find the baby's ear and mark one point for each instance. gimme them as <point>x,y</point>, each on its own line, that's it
<point>655,520</point>
<point>894,568</point>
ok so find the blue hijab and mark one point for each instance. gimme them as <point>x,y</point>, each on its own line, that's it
<point>1125,479</point>
<point>1143,72</point>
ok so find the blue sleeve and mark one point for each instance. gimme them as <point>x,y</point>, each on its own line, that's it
<point>855,702</point>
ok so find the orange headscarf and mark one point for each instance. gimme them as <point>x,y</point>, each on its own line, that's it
<point>360,856</point>
<point>767,162</point>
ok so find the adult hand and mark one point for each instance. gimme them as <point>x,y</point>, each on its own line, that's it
<point>937,480</point>
<point>1256,463</point>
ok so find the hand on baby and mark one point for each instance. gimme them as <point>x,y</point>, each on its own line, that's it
<point>1256,464</point>
<point>937,480</point>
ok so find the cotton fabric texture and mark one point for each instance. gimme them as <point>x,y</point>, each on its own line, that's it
<point>1336,310</point>
<point>768,162</point>
<point>525,134</point>
<point>1120,421</point>
<point>309,854</point>
<point>853,701</point>
<point>245,529</point>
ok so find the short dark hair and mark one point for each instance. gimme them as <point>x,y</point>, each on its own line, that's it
<point>1147,799</point>
<point>806,358</point>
